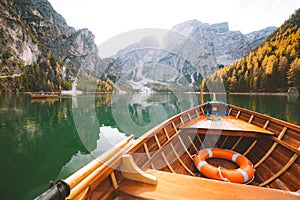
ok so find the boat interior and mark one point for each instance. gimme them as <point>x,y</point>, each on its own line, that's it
<point>160,165</point>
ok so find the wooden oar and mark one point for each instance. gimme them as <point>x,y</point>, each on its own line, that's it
<point>81,174</point>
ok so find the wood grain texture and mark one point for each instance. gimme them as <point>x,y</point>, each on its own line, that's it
<point>174,186</point>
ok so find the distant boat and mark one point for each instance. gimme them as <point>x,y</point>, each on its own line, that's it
<point>186,157</point>
<point>43,95</point>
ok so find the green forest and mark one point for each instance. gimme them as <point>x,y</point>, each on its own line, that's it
<point>46,75</point>
<point>274,66</point>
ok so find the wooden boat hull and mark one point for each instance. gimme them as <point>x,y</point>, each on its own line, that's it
<point>43,96</point>
<point>162,159</point>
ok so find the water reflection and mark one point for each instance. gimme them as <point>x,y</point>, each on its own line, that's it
<point>278,106</point>
<point>137,113</point>
<point>292,98</point>
<point>41,140</point>
<point>36,139</point>
<point>292,109</point>
<point>108,137</point>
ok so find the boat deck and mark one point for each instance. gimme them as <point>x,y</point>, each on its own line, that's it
<point>160,165</point>
<point>176,186</point>
<point>226,123</point>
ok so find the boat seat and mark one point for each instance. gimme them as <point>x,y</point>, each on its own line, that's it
<point>176,186</point>
<point>228,124</point>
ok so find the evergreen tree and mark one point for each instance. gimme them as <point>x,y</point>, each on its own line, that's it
<point>273,66</point>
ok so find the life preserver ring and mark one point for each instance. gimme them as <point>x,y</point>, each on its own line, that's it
<point>243,174</point>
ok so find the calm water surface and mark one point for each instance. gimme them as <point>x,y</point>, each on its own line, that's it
<point>48,140</point>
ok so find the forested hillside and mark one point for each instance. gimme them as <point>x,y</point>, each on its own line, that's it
<point>39,51</point>
<point>272,67</point>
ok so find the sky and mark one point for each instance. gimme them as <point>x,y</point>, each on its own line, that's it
<point>107,19</point>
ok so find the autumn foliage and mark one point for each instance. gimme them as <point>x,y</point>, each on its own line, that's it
<point>274,66</point>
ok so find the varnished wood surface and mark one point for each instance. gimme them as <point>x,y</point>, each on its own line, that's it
<point>272,145</point>
<point>243,131</point>
<point>229,123</point>
<point>43,96</point>
<point>175,186</point>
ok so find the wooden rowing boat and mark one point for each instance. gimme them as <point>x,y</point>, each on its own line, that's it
<point>43,95</point>
<point>160,165</point>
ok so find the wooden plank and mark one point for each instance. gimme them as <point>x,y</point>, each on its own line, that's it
<point>192,143</point>
<point>279,173</point>
<point>167,162</point>
<point>251,118</point>
<point>166,132</point>
<point>174,126</point>
<point>181,120</point>
<point>189,116</point>
<point>199,139</point>
<point>114,180</point>
<point>271,149</point>
<point>226,123</point>
<point>237,142</point>
<point>156,129</point>
<point>148,154</point>
<point>146,150</point>
<point>158,151</point>
<point>175,186</point>
<point>202,111</point>
<point>183,145</point>
<point>85,194</point>
<point>267,117</point>
<point>204,131</point>
<point>104,188</point>
<point>96,177</point>
<point>250,148</point>
<point>266,124</point>
<point>157,141</point>
<point>181,162</point>
<point>229,110</point>
<point>286,145</point>
<point>238,114</point>
<point>224,142</point>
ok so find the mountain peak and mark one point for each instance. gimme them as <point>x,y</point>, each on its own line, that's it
<point>220,27</point>
<point>188,28</point>
<point>190,51</point>
<point>225,45</point>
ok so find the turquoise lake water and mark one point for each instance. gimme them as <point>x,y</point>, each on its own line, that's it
<point>48,140</point>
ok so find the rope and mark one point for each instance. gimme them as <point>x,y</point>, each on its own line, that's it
<point>250,180</point>
<point>224,179</point>
<point>213,118</point>
<point>217,113</point>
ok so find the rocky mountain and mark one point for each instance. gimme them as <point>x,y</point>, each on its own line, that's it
<point>33,33</point>
<point>39,51</point>
<point>274,66</point>
<point>256,38</point>
<point>223,45</point>
<point>187,53</point>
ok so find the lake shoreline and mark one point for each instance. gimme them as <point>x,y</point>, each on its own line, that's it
<point>247,93</point>
<point>222,93</point>
<point>260,93</point>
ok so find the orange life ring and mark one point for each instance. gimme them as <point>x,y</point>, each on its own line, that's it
<point>241,175</point>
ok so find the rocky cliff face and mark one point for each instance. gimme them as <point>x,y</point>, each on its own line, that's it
<point>31,29</point>
<point>224,45</point>
<point>187,53</point>
<point>33,34</point>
